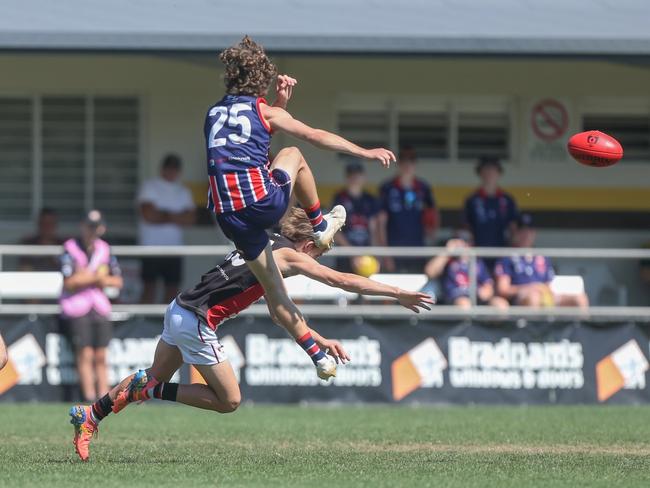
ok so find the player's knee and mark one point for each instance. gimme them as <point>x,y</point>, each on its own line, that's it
<point>231,404</point>
<point>290,151</point>
<point>3,359</point>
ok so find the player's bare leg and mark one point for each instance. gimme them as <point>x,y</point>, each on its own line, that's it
<point>221,393</point>
<point>86,370</point>
<point>3,353</point>
<point>285,313</point>
<point>291,161</point>
<point>101,371</point>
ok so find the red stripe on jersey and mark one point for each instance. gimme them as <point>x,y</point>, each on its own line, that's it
<point>235,192</point>
<point>258,183</point>
<point>214,192</point>
<point>233,305</point>
<point>259,114</point>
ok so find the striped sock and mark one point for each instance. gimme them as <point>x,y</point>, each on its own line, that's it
<point>101,408</point>
<point>164,391</point>
<point>316,217</point>
<point>308,343</point>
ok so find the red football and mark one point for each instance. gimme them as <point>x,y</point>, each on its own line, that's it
<point>595,148</point>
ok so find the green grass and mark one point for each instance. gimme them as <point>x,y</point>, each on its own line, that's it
<point>267,446</point>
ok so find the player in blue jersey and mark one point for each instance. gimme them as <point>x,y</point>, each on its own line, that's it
<point>249,194</point>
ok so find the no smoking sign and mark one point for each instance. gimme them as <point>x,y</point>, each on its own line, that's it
<point>549,120</point>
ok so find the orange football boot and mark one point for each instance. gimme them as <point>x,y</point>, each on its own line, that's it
<point>137,391</point>
<point>85,429</point>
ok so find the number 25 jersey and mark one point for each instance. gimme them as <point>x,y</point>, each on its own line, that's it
<point>237,141</point>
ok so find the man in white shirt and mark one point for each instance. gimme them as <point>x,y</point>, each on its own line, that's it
<point>166,206</point>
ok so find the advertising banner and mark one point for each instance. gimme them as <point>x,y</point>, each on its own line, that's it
<point>392,361</point>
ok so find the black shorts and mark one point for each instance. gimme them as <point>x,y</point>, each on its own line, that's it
<point>169,269</point>
<point>91,330</point>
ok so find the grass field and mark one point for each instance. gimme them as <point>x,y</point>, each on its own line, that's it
<point>175,446</point>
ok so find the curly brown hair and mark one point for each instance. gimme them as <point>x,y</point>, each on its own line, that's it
<point>248,70</point>
<point>296,227</point>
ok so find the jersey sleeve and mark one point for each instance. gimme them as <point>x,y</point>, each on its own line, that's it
<point>188,201</point>
<point>146,193</point>
<point>427,195</point>
<point>550,271</point>
<point>503,267</point>
<point>66,264</point>
<point>482,274</point>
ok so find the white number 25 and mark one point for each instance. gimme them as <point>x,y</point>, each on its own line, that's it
<point>234,120</point>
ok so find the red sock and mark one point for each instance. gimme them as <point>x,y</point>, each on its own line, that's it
<point>308,343</point>
<point>316,217</point>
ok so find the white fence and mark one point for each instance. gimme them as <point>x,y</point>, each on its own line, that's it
<point>594,313</point>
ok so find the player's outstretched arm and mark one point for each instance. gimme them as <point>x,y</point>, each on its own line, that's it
<point>280,120</point>
<point>293,263</point>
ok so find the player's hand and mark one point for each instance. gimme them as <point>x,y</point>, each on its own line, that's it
<point>283,90</point>
<point>384,156</point>
<point>414,300</point>
<point>335,349</point>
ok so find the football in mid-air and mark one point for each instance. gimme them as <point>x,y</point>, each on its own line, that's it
<point>595,148</point>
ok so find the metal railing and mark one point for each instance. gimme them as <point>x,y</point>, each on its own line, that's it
<point>604,313</point>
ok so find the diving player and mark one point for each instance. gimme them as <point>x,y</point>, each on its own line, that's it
<point>250,195</point>
<point>190,329</point>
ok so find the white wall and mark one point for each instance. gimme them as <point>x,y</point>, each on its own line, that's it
<point>175,91</point>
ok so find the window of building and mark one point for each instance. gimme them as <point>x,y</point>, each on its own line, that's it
<point>632,131</point>
<point>443,131</point>
<point>483,134</point>
<point>70,153</point>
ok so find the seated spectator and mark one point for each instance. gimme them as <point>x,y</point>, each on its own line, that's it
<point>490,212</point>
<point>456,280</point>
<point>166,208</point>
<point>408,215</point>
<point>46,235</point>
<point>525,280</point>
<point>88,268</point>
<point>361,222</point>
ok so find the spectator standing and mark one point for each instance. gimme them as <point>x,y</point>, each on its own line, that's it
<point>525,280</point>
<point>46,235</point>
<point>88,268</point>
<point>361,221</point>
<point>408,215</point>
<point>166,207</point>
<point>455,274</point>
<point>490,212</point>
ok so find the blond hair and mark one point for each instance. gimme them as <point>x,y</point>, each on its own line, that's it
<point>248,70</point>
<point>296,227</point>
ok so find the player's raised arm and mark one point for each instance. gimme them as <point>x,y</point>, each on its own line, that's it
<point>283,90</point>
<point>293,263</point>
<point>281,120</point>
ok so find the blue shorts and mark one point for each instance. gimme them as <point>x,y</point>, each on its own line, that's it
<point>247,227</point>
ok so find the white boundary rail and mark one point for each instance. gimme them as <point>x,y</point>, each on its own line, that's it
<point>392,311</point>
